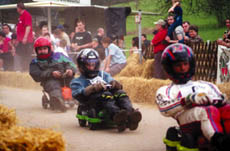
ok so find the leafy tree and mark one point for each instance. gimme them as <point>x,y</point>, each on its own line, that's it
<point>219,8</point>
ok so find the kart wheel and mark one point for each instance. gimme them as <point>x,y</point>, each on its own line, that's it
<point>93,126</point>
<point>45,102</point>
<point>71,103</point>
<point>82,123</point>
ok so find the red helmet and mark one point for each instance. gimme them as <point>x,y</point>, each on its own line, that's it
<point>42,42</point>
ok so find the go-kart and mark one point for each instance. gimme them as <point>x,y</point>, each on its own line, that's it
<point>89,116</point>
<point>175,140</point>
<point>49,103</point>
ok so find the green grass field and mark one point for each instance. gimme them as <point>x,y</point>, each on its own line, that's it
<point>207,24</point>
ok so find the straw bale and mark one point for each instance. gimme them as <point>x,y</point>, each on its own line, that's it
<point>7,118</point>
<point>31,139</point>
<point>141,90</point>
<point>224,88</point>
<point>18,79</point>
<point>136,69</point>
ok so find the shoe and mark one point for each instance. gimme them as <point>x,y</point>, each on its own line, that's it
<point>134,119</point>
<point>120,119</point>
<point>59,104</point>
<point>221,141</point>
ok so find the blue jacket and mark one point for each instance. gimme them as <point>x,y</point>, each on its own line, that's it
<point>79,84</point>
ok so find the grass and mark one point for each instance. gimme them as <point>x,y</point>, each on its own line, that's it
<point>208,29</point>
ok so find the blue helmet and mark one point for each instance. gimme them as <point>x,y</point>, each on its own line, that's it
<point>85,57</point>
<point>176,53</point>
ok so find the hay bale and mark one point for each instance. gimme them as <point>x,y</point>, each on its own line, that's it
<point>7,118</point>
<point>31,139</point>
<point>224,88</point>
<point>141,90</point>
<point>135,69</point>
<point>18,79</point>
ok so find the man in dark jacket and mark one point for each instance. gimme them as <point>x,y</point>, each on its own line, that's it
<point>52,70</point>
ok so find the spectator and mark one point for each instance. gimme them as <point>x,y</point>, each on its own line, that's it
<point>178,34</point>
<point>145,41</point>
<point>186,25</point>
<point>100,35</point>
<point>62,47</point>
<point>5,53</point>
<point>82,38</point>
<point>226,36</point>
<point>135,45</point>
<point>194,37</point>
<point>7,30</point>
<point>159,46</point>
<point>115,59</point>
<point>178,12</point>
<point>45,33</point>
<point>24,36</point>
<point>99,48</point>
<point>64,35</point>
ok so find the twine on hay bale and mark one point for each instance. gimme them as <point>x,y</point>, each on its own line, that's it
<point>31,139</point>
<point>141,90</point>
<point>135,69</point>
<point>7,118</point>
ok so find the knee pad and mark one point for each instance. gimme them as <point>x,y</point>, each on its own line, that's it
<point>120,94</point>
<point>107,95</point>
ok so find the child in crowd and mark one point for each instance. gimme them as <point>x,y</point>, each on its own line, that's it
<point>178,12</point>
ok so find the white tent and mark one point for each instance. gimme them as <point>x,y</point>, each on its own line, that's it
<point>52,4</point>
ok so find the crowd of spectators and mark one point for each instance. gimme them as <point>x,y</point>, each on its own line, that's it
<point>16,49</point>
<point>170,31</point>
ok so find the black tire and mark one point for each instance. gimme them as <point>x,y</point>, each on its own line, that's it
<point>45,102</point>
<point>82,123</point>
<point>92,113</point>
<point>93,126</point>
<point>80,109</point>
<point>71,103</point>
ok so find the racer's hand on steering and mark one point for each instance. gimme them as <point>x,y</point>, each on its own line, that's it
<point>115,85</point>
<point>94,88</point>
<point>56,74</point>
<point>68,73</point>
<point>199,99</point>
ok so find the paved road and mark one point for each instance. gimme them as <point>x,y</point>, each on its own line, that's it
<point>148,137</point>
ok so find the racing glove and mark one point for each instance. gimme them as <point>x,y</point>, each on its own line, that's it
<point>94,88</point>
<point>199,99</point>
<point>115,85</point>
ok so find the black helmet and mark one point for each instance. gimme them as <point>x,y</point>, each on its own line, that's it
<point>87,56</point>
<point>176,53</point>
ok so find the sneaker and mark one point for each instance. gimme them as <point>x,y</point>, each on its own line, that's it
<point>120,119</point>
<point>134,119</point>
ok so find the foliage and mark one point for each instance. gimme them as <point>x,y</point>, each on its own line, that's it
<point>219,8</point>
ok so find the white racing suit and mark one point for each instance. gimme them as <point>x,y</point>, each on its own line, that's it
<point>197,119</point>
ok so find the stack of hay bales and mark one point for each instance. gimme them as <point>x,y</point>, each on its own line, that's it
<point>17,138</point>
<point>137,80</point>
<point>135,69</point>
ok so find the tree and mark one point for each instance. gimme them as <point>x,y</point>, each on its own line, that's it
<point>219,8</point>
